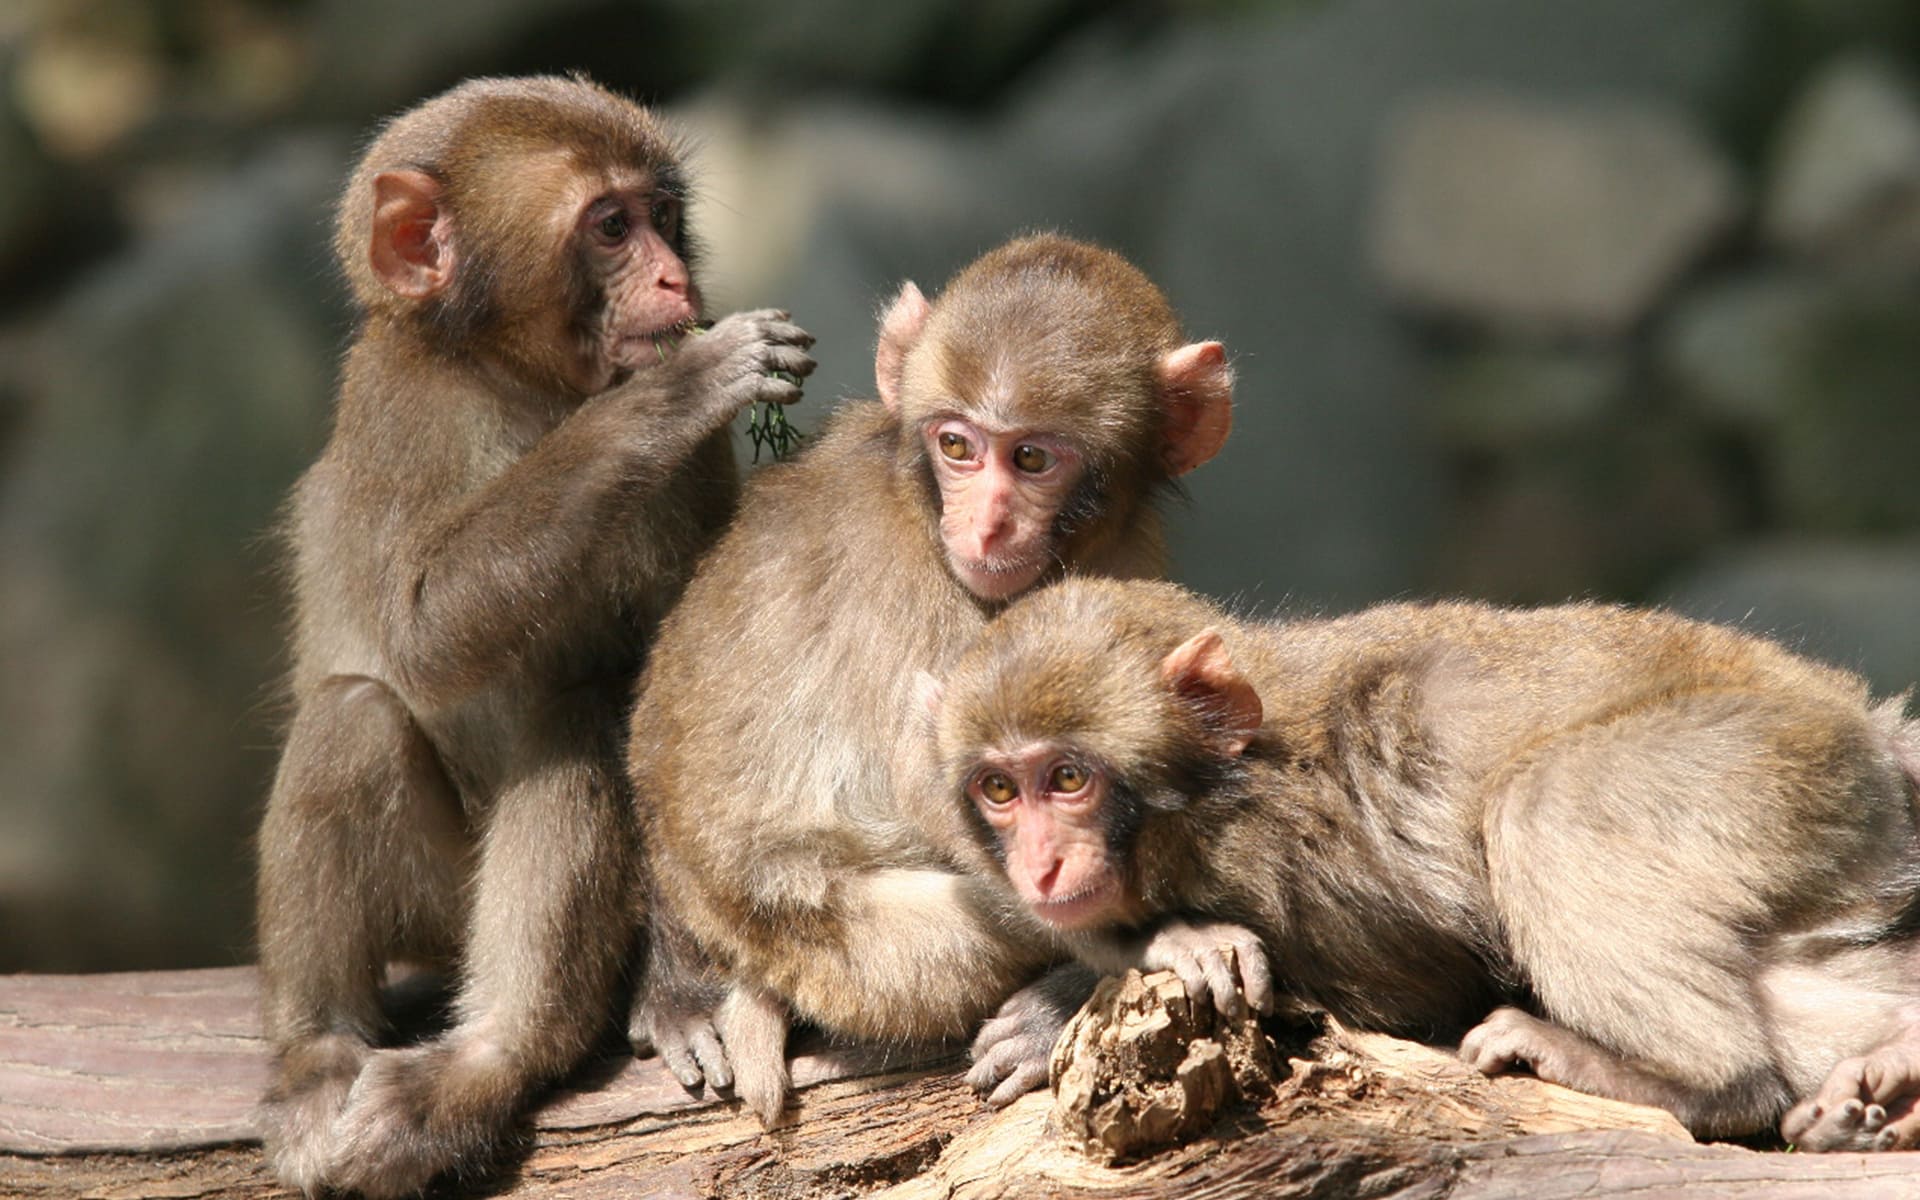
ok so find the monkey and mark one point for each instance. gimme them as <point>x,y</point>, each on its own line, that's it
<point>1027,422</point>
<point>1656,859</point>
<point>528,453</point>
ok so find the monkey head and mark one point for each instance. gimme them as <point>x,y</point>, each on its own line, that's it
<point>535,225</point>
<point>1042,396</point>
<point>1080,732</point>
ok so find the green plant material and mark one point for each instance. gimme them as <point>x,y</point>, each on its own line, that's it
<point>767,426</point>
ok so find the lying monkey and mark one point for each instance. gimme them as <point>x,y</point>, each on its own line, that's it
<point>1654,859</point>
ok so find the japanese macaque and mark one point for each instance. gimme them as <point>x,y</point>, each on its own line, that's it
<point>1681,860</point>
<point>526,459</point>
<point>1026,422</point>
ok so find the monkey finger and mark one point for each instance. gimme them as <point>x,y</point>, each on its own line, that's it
<point>792,360</point>
<point>1029,1075</point>
<point>1220,981</point>
<point>1256,977</point>
<point>788,333</point>
<point>711,1057</point>
<point>996,1064</point>
<point>1193,976</point>
<point>771,389</point>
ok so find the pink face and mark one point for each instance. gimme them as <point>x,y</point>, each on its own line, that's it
<point>1047,808</point>
<point>1000,491</point>
<point>629,236</point>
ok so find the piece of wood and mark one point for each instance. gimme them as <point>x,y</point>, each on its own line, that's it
<point>122,1086</point>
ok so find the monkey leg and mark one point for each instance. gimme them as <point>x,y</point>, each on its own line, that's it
<point>1871,1102</point>
<point>360,855</point>
<point>1620,879</point>
<point>546,943</point>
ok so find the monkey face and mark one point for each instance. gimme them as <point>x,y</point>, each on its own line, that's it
<point>1001,492</point>
<point>1052,813</point>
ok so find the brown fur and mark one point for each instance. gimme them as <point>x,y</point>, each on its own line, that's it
<point>1692,853</point>
<point>479,558</point>
<point>773,750</point>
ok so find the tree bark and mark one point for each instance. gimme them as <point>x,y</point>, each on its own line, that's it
<point>122,1086</point>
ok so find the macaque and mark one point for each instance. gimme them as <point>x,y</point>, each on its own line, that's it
<point>526,459</point>
<point>1677,864</point>
<point>1026,422</point>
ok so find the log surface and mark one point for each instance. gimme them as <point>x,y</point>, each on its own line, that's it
<point>121,1086</point>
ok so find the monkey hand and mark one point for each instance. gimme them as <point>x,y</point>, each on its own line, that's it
<point>418,1113</point>
<point>747,358</point>
<point>1207,958</point>
<point>685,1038</point>
<point>1010,1055</point>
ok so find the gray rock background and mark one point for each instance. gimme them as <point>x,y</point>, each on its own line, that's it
<point>1617,299</point>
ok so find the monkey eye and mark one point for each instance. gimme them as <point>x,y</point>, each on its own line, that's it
<point>665,215</point>
<point>1067,778</point>
<point>955,446</point>
<point>613,227</point>
<point>1031,459</point>
<point>996,789</point>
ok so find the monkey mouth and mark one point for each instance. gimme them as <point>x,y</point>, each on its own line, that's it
<point>653,345</point>
<point>1075,910</point>
<point>997,578</point>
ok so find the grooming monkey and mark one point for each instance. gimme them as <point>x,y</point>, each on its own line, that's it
<point>526,460</point>
<point>1026,422</point>
<point>1691,855</point>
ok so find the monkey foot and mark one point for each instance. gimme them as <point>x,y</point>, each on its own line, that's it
<point>1867,1103</point>
<point>310,1087</point>
<point>418,1113</point>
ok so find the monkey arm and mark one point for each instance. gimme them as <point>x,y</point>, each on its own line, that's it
<point>912,954</point>
<point>548,547</point>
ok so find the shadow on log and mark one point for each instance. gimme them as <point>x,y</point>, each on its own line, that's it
<point>122,1086</point>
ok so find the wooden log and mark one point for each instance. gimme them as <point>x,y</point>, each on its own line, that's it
<point>121,1086</point>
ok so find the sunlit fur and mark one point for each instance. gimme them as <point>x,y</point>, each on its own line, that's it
<point>776,750</point>
<point>1692,852</point>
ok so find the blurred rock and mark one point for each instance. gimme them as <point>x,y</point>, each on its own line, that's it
<point>1843,459</point>
<point>1737,349</point>
<point>1845,602</point>
<point>1822,375</point>
<point>1541,216</point>
<point>1506,397</point>
<point>27,182</point>
<point>1845,182</point>
<point>187,386</point>
<point>1604,510</point>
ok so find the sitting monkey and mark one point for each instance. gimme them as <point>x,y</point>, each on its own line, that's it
<point>1676,863</point>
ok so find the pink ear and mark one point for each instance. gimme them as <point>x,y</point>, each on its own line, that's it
<point>1201,669</point>
<point>1197,388</point>
<point>929,693</point>
<point>412,252</point>
<point>899,330</point>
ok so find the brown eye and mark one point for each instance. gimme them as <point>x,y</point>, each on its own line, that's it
<point>613,227</point>
<point>665,214</point>
<point>997,788</point>
<point>953,446</point>
<point>1031,459</point>
<point>1067,778</point>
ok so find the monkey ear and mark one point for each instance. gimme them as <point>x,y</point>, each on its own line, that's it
<point>930,694</point>
<point>901,327</point>
<point>1201,669</point>
<point>1196,388</point>
<point>412,250</point>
